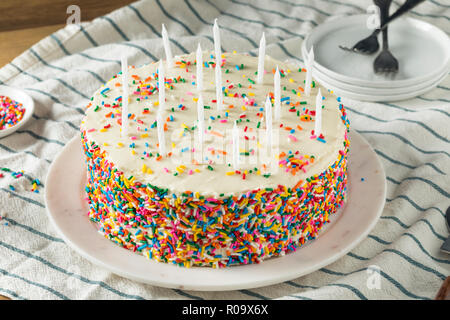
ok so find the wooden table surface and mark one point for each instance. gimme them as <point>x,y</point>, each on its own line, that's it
<point>15,42</point>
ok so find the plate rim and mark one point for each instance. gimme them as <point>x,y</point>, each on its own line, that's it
<point>375,84</point>
<point>382,97</point>
<point>223,287</point>
<point>319,75</point>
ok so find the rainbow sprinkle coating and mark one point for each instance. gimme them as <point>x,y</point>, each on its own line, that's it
<point>191,230</point>
<point>11,112</point>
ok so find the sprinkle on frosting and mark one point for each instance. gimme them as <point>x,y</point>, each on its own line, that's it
<point>243,95</point>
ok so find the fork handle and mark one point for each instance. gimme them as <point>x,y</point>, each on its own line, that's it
<point>408,5</point>
<point>384,15</point>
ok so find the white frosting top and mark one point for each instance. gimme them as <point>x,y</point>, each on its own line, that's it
<point>243,100</point>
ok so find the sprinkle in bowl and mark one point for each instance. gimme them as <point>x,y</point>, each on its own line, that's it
<point>10,99</point>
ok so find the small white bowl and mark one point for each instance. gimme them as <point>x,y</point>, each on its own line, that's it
<point>27,102</point>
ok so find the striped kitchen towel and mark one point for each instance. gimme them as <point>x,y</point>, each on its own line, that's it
<point>63,70</point>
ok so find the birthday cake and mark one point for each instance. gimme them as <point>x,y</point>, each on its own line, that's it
<point>214,200</point>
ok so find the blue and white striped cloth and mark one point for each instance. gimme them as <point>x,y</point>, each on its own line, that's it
<point>63,70</point>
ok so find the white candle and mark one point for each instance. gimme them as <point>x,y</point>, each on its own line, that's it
<point>162,87</point>
<point>219,98</point>
<point>277,94</point>
<point>268,111</point>
<point>161,137</point>
<point>309,67</point>
<point>261,56</point>
<point>167,47</point>
<point>124,96</point>
<point>235,147</point>
<point>218,71</point>
<point>318,122</point>
<point>199,69</point>
<point>200,118</point>
<point>217,51</point>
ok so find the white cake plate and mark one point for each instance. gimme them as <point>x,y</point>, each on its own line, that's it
<point>379,93</point>
<point>380,97</point>
<point>422,49</point>
<point>67,209</point>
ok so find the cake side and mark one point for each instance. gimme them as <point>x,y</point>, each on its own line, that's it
<point>192,230</point>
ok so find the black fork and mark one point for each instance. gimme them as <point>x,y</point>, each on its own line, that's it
<point>385,62</point>
<point>370,44</point>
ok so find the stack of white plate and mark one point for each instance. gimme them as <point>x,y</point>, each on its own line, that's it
<point>423,52</point>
